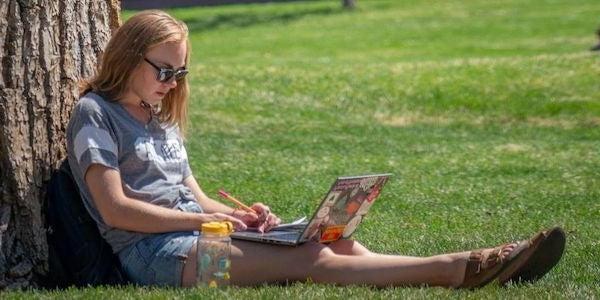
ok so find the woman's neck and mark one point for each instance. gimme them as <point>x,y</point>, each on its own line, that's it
<point>137,107</point>
<point>130,99</point>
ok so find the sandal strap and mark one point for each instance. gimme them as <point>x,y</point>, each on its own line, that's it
<point>481,261</point>
<point>494,256</point>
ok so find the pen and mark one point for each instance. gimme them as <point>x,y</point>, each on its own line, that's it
<point>224,194</point>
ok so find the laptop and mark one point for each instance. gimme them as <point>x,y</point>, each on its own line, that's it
<point>337,217</point>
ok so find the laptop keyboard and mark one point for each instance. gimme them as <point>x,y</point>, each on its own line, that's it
<point>292,236</point>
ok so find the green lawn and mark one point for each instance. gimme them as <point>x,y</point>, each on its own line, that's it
<point>487,113</point>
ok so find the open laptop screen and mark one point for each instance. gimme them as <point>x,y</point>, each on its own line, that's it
<point>344,207</point>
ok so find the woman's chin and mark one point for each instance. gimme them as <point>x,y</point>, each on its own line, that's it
<point>155,98</point>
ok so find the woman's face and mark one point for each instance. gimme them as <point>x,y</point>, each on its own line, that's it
<point>145,84</point>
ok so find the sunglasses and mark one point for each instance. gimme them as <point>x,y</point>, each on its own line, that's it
<point>165,75</point>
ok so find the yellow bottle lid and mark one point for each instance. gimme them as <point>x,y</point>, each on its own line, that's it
<point>220,228</point>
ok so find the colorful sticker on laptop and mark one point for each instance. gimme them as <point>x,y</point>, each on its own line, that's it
<point>331,198</point>
<point>367,183</point>
<point>354,191</point>
<point>351,226</point>
<point>364,208</point>
<point>374,193</point>
<point>355,203</point>
<point>352,207</point>
<point>323,212</point>
<point>312,231</point>
<point>332,233</point>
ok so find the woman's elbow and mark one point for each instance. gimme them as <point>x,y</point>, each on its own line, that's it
<point>112,214</point>
<point>109,218</point>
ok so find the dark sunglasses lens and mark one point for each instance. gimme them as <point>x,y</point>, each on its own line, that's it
<point>180,74</point>
<point>165,75</point>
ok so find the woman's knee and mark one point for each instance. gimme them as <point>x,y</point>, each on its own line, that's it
<point>322,259</point>
<point>349,247</point>
<point>314,252</point>
<point>314,255</point>
<point>188,275</point>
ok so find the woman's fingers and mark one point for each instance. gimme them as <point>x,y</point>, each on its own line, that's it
<point>272,221</point>
<point>265,220</point>
<point>246,217</point>
<point>262,210</point>
<point>238,224</point>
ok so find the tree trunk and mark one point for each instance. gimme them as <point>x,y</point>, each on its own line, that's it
<point>349,4</point>
<point>46,46</point>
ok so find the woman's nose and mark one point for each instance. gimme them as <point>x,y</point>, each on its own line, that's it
<point>172,83</point>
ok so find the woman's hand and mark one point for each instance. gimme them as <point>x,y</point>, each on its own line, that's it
<point>263,220</point>
<point>238,224</point>
<point>266,220</point>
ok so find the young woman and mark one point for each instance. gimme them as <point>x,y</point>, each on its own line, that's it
<point>126,152</point>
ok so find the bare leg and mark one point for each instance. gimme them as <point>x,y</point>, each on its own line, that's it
<point>349,247</point>
<point>258,264</point>
<point>188,276</point>
<point>344,262</point>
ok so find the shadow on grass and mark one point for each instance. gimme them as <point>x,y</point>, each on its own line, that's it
<point>241,20</point>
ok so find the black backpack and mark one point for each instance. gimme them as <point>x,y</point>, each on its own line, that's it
<point>77,253</point>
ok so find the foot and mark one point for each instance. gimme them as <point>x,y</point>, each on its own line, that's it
<point>484,265</point>
<point>544,251</point>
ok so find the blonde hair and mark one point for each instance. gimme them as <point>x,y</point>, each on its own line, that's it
<point>126,50</point>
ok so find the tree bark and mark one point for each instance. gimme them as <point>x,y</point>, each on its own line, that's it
<point>46,46</point>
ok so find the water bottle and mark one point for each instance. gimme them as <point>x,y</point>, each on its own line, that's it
<point>214,248</point>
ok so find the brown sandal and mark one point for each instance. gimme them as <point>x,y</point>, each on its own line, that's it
<point>482,269</point>
<point>543,252</point>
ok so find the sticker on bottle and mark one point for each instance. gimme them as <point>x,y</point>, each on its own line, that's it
<point>224,264</point>
<point>206,261</point>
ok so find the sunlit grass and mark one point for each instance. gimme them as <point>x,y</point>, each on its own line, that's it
<point>487,113</point>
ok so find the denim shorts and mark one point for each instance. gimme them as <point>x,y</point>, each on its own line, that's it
<point>159,258</point>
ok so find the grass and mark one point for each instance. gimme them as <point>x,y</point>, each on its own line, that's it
<point>488,114</point>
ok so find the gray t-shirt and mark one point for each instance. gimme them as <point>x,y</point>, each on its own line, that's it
<point>150,158</point>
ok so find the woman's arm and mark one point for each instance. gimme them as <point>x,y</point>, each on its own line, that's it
<point>208,205</point>
<point>125,213</point>
<point>264,221</point>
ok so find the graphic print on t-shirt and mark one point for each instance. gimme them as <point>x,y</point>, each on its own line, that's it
<point>150,149</point>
